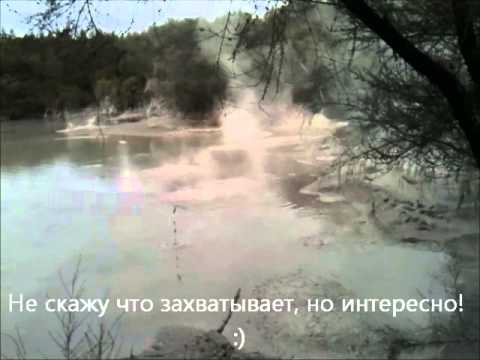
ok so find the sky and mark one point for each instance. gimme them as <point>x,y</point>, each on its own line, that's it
<point>117,15</point>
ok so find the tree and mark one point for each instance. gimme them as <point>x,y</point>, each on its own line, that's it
<point>414,66</point>
<point>419,92</point>
<point>431,47</point>
<point>458,87</point>
<point>188,82</point>
<point>45,73</point>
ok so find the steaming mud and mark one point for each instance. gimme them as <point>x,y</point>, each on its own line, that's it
<point>199,214</point>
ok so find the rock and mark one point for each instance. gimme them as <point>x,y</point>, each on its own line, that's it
<point>127,118</point>
<point>325,183</point>
<point>409,180</point>
<point>317,241</point>
<point>182,342</point>
<point>420,205</point>
<point>332,333</point>
<point>412,240</point>
<point>330,197</point>
<point>423,228</point>
<point>455,350</point>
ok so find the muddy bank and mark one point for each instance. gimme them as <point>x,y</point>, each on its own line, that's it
<point>181,342</point>
<point>260,209</point>
<point>141,128</point>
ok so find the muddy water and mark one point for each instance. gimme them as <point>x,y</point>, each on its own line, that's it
<point>240,221</point>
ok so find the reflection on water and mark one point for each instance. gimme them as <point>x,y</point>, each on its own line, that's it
<point>240,220</point>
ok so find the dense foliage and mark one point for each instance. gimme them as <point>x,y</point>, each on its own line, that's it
<point>64,70</point>
<point>405,73</point>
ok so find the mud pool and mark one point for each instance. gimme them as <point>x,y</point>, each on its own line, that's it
<point>241,221</point>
